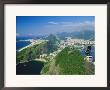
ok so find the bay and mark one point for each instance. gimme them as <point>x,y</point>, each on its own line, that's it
<point>29,68</point>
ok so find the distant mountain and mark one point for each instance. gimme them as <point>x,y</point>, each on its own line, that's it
<point>88,34</point>
<point>85,34</point>
<point>52,43</point>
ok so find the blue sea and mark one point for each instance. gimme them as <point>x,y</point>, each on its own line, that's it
<point>29,68</point>
<point>21,44</point>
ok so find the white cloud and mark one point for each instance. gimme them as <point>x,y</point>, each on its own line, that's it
<point>30,34</point>
<point>53,23</point>
<point>73,24</point>
<point>66,22</point>
<point>78,24</point>
<point>67,27</point>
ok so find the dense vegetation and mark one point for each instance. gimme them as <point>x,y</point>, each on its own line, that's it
<point>69,61</point>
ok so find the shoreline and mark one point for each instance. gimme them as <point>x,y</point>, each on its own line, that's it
<point>33,42</point>
<point>37,59</point>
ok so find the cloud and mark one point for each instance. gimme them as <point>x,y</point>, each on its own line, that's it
<point>85,23</point>
<point>53,23</point>
<point>66,22</point>
<point>30,34</point>
<point>66,27</point>
<point>72,24</point>
<point>79,26</point>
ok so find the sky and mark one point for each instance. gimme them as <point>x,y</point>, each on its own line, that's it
<point>41,25</point>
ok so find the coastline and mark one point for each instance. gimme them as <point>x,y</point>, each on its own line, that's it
<point>37,59</point>
<point>33,42</point>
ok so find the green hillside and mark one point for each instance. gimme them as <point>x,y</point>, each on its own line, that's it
<point>68,62</point>
<point>31,53</point>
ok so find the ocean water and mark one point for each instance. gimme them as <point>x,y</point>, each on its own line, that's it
<point>22,38</point>
<point>29,68</point>
<point>21,44</point>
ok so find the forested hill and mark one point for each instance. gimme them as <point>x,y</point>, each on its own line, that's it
<point>31,53</point>
<point>68,62</point>
<point>53,42</point>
